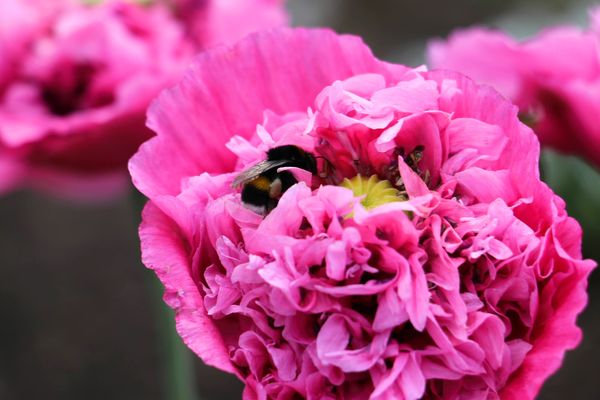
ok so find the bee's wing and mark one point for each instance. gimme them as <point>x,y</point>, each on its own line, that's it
<point>249,174</point>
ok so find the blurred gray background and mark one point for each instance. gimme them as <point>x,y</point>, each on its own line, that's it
<point>78,312</point>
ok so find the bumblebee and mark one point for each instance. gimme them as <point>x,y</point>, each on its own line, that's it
<point>262,184</point>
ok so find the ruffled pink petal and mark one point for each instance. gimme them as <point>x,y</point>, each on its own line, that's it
<point>468,51</point>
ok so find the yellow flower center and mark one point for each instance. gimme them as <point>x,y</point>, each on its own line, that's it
<point>376,192</point>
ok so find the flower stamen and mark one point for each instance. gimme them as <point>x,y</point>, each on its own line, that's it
<point>376,192</point>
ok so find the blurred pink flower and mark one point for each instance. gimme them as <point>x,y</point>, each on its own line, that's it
<point>20,22</point>
<point>212,22</point>
<point>464,283</point>
<point>554,78</point>
<point>77,80</point>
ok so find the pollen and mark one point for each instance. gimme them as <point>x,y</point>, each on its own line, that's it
<point>376,192</point>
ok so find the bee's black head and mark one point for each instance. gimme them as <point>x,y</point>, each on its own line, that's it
<point>287,152</point>
<point>295,155</point>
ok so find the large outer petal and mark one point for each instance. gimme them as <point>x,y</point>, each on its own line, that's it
<point>226,91</point>
<point>558,335</point>
<point>164,250</point>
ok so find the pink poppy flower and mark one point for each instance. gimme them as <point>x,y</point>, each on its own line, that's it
<point>554,78</point>
<point>415,253</point>
<point>75,111</point>
<point>77,85</point>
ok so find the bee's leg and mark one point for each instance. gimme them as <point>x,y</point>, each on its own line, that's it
<point>276,188</point>
<point>280,183</point>
<point>273,195</point>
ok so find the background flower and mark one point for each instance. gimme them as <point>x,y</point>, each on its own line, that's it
<point>471,291</point>
<point>211,22</point>
<point>20,22</point>
<point>554,78</point>
<point>77,81</point>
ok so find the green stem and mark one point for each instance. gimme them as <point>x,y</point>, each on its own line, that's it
<point>178,360</point>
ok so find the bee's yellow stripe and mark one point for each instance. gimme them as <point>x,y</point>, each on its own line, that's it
<point>261,183</point>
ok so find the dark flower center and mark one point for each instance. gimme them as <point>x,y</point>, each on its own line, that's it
<point>69,91</point>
